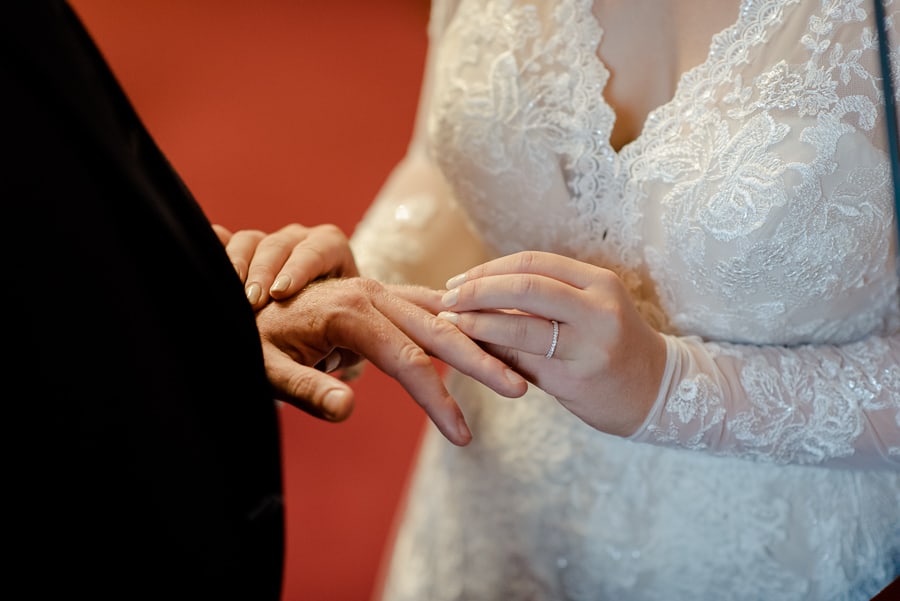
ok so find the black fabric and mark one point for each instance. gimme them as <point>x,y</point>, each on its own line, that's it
<point>146,462</point>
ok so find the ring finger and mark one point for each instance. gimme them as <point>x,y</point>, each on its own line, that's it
<point>527,333</point>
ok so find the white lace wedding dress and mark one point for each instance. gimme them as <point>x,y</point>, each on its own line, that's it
<point>753,224</point>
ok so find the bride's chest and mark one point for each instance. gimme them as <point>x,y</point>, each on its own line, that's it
<point>726,178</point>
<point>640,47</point>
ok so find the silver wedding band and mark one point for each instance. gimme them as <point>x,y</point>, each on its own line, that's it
<point>554,340</point>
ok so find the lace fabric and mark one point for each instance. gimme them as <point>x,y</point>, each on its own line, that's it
<point>752,223</point>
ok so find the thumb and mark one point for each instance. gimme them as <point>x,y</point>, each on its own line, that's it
<point>307,388</point>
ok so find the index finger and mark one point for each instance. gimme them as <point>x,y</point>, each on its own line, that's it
<point>269,256</point>
<point>441,339</point>
<point>559,267</point>
<point>324,251</point>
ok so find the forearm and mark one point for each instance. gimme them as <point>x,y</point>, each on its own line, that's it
<point>820,405</point>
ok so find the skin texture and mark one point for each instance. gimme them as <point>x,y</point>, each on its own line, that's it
<point>606,352</point>
<point>606,369</point>
<point>681,34</point>
<point>330,321</point>
<point>277,265</point>
<point>608,363</point>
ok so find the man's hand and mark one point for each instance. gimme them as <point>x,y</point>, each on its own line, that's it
<point>388,326</point>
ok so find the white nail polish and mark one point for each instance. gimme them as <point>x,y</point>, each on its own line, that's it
<point>449,299</point>
<point>456,281</point>
<point>281,283</point>
<point>254,292</point>
<point>449,316</point>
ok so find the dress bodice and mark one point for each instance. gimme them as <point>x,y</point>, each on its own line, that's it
<point>753,207</point>
<point>751,221</point>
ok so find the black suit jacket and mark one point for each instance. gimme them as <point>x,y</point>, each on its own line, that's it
<point>146,462</point>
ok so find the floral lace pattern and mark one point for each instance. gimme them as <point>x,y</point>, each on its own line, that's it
<point>788,421</point>
<point>751,221</point>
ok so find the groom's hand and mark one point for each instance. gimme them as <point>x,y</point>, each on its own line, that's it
<point>354,317</point>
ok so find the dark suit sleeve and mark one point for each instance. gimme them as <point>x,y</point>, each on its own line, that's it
<point>148,457</point>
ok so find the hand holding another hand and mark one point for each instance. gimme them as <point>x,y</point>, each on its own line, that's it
<point>607,362</point>
<point>278,265</point>
<point>387,326</point>
<point>325,316</point>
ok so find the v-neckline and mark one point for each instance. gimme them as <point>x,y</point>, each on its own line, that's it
<point>744,7</point>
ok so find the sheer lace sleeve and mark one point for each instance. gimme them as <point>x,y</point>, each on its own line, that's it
<point>816,378</point>
<point>817,404</point>
<point>414,232</point>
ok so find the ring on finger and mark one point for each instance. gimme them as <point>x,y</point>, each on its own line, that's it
<point>554,340</point>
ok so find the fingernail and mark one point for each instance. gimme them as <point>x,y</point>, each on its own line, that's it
<point>464,431</point>
<point>281,283</point>
<point>254,291</point>
<point>456,281</point>
<point>513,378</point>
<point>449,316</point>
<point>332,362</point>
<point>449,299</point>
<point>334,401</point>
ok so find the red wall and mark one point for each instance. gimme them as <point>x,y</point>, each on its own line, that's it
<point>279,111</point>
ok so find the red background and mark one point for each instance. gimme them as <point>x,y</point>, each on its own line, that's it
<point>278,111</point>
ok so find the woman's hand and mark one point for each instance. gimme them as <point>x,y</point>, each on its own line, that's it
<point>278,265</point>
<point>606,363</point>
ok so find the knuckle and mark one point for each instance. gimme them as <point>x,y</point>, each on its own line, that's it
<point>526,260</point>
<point>368,286</point>
<point>413,357</point>
<point>301,384</point>
<point>278,240</point>
<point>520,331</point>
<point>248,235</point>
<point>304,254</point>
<point>352,294</point>
<point>440,327</point>
<point>260,272</point>
<point>295,229</point>
<point>332,230</point>
<point>523,285</point>
<point>304,388</point>
<point>607,279</point>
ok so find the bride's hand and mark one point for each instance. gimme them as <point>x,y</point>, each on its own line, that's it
<point>606,362</point>
<point>280,264</point>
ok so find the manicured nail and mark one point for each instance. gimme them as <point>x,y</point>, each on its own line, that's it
<point>334,402</point>
<point>449,299</point>
<point>449,316</point>
<point>254,291</point>
<point>456,281</point>
<point>281,283</point>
